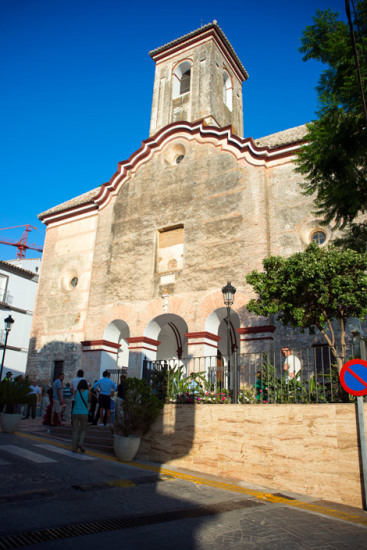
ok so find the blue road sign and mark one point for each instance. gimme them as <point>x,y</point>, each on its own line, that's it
<point>353,377</point>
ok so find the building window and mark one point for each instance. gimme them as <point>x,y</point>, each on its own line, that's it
<point>181,79</point>
<point>3,287</point>
<point>185,82</point>
<point>74,282</point>
<point>170,249</point>
<point>227,90</point>
<point>318,237</point>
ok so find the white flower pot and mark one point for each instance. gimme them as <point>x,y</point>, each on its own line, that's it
<point>9,422</point>
<point>126,447</point>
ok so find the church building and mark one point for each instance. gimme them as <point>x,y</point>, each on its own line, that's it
<point>135,268</point>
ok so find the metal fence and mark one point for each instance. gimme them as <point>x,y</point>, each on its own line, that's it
<point>116,373</point>
<point>261,378</point>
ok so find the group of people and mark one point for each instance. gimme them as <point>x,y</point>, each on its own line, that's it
<point>84,399</point>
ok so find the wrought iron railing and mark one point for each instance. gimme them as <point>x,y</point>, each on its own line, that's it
<point>116,373</point>
<point>261,378</point>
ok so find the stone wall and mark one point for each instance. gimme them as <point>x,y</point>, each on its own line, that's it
<point>63,297</point>
<point>307,449</point>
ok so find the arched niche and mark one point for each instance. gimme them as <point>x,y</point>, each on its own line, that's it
<point>227,90</point>
<point>216,323</point>
<point>169,330</point>
<point>181,79</point>
<point>116,332</point>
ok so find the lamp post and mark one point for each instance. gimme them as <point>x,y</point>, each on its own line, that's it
<point>228,296</point>
<point>8,324</point>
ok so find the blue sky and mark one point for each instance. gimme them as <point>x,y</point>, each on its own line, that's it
<point>77,86</point>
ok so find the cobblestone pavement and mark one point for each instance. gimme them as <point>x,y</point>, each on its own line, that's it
<point>76,501</point>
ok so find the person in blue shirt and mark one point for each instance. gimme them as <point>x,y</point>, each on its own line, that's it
<point>106,389</point>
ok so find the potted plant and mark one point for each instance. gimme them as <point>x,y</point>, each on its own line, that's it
<point>134,416</point>
<point>13,394</point>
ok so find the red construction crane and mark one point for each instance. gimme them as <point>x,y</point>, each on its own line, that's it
<point>22,245</point>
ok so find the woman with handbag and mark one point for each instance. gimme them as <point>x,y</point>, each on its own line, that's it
<point>80,416</point>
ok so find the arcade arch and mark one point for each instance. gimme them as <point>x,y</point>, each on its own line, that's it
<point>117,333</point>
<point>216,323</point>
<point>169,330</point>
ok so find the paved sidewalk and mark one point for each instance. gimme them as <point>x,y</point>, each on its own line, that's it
<point>67,501</point>
<point>264,494</point>
<point>33,425</point>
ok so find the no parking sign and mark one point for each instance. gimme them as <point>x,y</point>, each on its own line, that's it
<point>353,377</point>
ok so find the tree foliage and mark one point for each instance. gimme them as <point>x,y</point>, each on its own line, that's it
<point>311,289</point>
<point>334,162</point>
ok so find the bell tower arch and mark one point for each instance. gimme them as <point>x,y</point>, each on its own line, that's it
<point>198,76</point>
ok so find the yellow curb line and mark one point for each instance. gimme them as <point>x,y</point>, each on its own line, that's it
<point>121,483</point>
<point>267,497</point>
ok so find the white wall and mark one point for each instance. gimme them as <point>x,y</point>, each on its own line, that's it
<point>19,303</point>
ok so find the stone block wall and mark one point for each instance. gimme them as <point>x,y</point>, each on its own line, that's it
<point>306,449</point>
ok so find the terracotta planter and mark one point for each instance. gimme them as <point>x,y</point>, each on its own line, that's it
<point>126,447</point>
<point>9,422</point>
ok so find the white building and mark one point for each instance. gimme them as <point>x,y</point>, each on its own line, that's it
<point>18,288</point>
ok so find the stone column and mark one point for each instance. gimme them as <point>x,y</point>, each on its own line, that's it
<point>140,347</point>
<point>98,356</point>
<point>202,350</point>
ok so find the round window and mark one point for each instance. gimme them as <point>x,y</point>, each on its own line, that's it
<point>179,158</point>
<point>318,237</point>
<point>74,282</point>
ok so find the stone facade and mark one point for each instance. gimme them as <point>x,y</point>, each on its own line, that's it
<point>135,268</point>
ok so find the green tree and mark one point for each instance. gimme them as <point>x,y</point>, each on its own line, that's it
<point>311,289</point>
<point>355,238</point>
<point>334,162</point>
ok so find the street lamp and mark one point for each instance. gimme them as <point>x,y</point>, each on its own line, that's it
<point>228,296</point>
<point>8,324</point>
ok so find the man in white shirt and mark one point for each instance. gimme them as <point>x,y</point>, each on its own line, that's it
<point>292,365</point>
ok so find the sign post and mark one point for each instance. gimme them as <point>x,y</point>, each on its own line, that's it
<point>353,378</point>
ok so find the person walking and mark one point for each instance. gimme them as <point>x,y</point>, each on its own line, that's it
<point>93,417</point>
<point>80,416</point>
<point>35,391</point>
<point>58,399</point>
<point>107,389</point>
<point>74,385</point>
<point>68,394</point>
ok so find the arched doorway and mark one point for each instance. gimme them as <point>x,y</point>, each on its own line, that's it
<point>169,330</point>
<point>116,332</point>
<point>217,323</point>
<point>218,367</point>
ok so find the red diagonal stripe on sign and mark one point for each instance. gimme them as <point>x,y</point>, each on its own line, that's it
<point>363,382</point>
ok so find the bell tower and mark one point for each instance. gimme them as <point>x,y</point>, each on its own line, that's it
<point>198,76</point>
